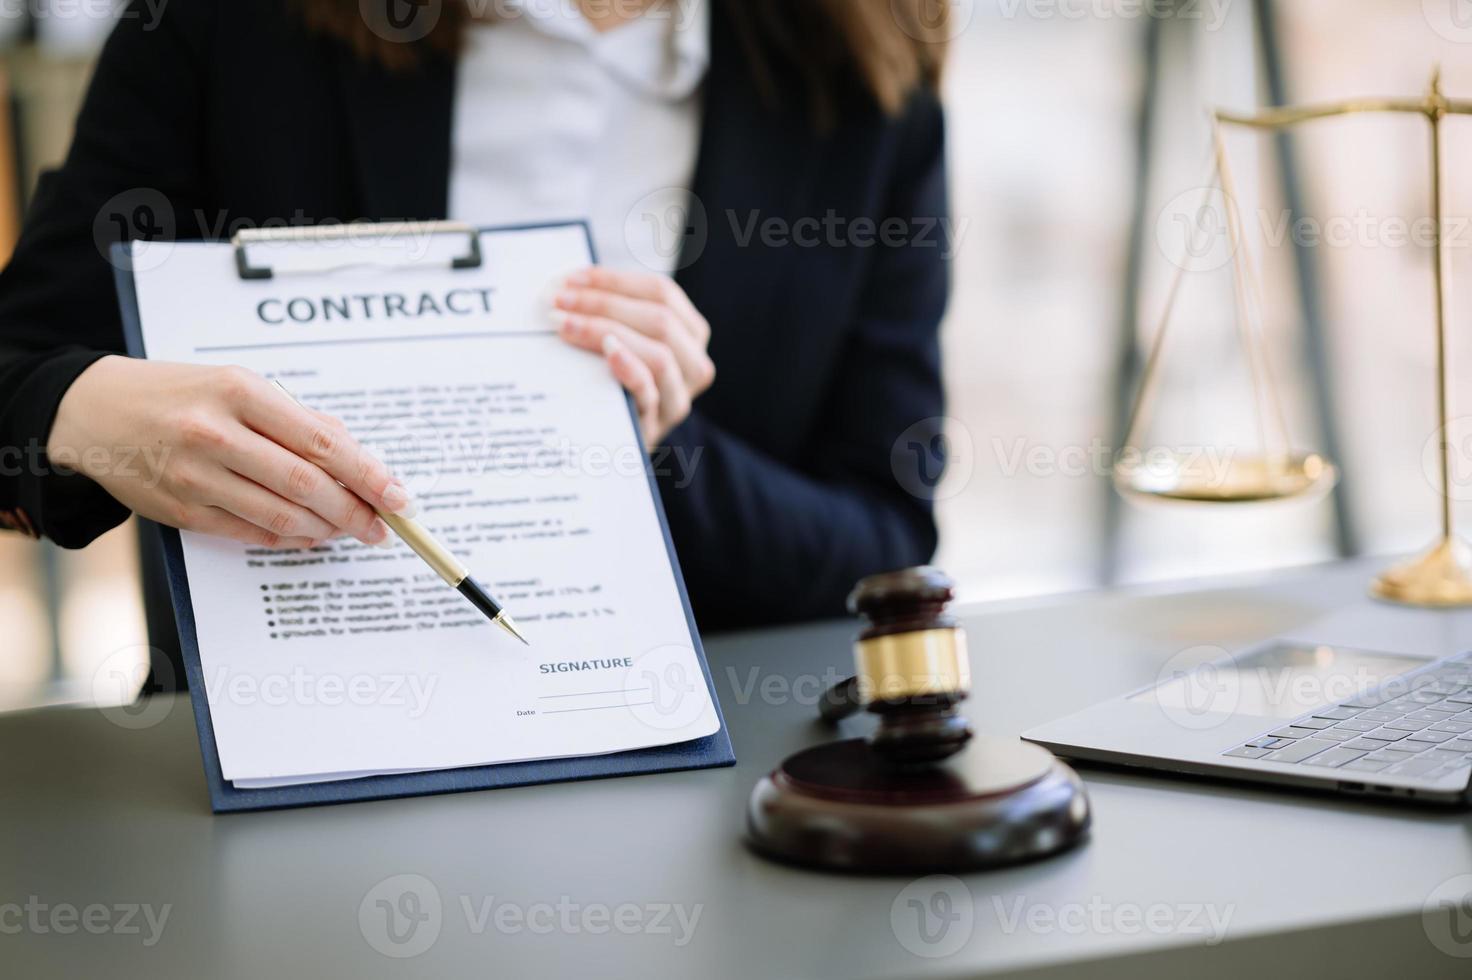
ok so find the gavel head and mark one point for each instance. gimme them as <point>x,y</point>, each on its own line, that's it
<point>912,668</point>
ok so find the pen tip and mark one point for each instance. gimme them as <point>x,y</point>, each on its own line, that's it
<point>509,625</point>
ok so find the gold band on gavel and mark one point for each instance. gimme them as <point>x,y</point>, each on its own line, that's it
<point>904,665</point>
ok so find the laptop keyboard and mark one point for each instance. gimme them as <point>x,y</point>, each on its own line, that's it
<point>1413,725</point>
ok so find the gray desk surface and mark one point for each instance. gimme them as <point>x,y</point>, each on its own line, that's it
<point>93,814</point>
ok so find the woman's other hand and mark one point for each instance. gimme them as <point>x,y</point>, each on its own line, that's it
<point>220,450</point>
<point>651,335</point>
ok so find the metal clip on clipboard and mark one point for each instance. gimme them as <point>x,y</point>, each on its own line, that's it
<point>349,234</point>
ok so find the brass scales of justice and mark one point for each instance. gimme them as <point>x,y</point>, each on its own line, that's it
<point>1443,575</point>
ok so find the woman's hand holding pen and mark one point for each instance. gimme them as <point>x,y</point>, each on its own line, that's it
<point>651,334</point>
<point>229,455</point>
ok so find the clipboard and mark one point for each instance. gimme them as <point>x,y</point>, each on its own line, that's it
<point>709,752</point>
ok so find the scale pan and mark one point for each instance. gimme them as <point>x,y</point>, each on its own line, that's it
<point>1193,478</point>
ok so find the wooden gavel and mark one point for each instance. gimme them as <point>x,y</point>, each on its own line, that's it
<point>921,794</point>
<point>913,669</point>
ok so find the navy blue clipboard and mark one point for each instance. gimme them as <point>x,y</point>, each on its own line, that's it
<point>703,753</point>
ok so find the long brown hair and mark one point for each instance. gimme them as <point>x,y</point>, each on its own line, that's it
<point>890,48</point>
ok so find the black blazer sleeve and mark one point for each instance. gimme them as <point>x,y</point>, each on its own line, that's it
<point>790,541</point>
<point>134,164</point>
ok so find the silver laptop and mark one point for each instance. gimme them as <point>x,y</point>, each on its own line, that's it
<point>1374,700</point>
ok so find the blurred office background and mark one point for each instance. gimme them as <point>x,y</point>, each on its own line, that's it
<point>1057,212</point>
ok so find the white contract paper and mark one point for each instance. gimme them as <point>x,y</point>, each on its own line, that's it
<point>346,660</point>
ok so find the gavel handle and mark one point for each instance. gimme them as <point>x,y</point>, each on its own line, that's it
<point>840,701</point>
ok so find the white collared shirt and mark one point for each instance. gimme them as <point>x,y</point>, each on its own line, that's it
<point>554,120</point>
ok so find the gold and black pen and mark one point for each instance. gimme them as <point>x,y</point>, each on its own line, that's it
<point>442,560</point>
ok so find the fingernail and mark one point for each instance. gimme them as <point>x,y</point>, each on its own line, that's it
<point>610,344</point>
<point>380,535</point>
<point>559,317</point>
<point>567,298</point>
<point>396,500</point>
<point>579,278</point>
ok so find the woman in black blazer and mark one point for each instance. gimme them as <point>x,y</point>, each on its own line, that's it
<point>816,297</point>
